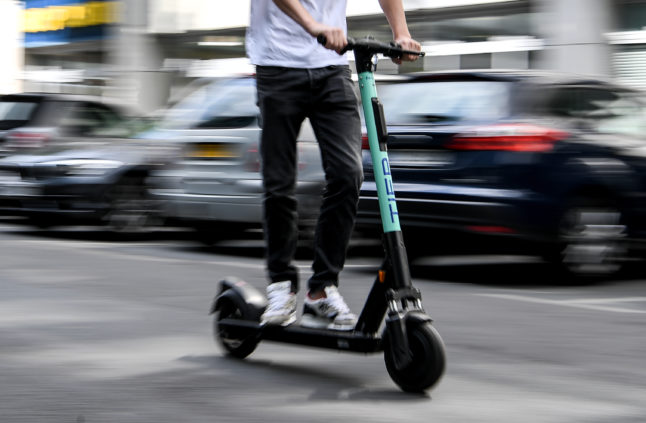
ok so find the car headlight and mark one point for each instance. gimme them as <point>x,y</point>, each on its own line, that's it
<point>84,167</point>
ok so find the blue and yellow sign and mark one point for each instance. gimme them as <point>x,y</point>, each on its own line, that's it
<point>48,22</point>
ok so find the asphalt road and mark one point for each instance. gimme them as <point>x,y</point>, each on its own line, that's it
<point>97,329</point>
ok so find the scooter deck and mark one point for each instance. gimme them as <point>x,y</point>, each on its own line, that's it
<point>294,334</point>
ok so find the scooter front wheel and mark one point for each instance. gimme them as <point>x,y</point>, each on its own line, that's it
<point>236,344</point>
<point>428,358</point>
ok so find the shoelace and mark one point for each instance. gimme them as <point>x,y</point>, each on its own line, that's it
<point>337,303</point>
<point>277,300</point>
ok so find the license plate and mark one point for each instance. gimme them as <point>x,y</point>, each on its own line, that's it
<point>420,158</point>
<point>212,151</point>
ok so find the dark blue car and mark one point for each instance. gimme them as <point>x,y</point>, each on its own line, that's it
<point>555,161</point>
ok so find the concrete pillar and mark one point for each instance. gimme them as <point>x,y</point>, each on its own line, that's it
<point>441,63</point>
<point>136,59</point>
<point>510,60</point>
<point>573,31</point>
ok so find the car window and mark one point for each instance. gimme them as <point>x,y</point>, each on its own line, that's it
<point>445,101</point>
<point>16,113</point>
<point>623,114</point>
<point>224,103</point>
<point>563,103</point>
<point>599,109</point>
<point>113,124</point>
<point>234,107</point>
<point>580,102</point>
<point>93,119</point>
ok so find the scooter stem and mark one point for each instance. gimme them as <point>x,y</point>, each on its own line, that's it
<point>364,52</point>
<point>377,135</point>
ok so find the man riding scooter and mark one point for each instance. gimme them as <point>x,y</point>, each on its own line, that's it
<point>298,78</point>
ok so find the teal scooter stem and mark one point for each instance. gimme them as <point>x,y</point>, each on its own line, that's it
<point>364,52</point>
<point>395,268</point>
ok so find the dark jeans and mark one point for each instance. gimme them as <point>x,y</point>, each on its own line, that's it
<point>326,96</point>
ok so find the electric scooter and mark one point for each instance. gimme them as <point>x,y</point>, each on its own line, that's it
<point>413,350</point>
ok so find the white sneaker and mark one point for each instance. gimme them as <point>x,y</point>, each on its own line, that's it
<point>330,312</point>
<point>281,305</point>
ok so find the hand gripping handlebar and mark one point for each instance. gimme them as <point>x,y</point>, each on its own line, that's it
<point>365,48</point>
<point>370,45</point>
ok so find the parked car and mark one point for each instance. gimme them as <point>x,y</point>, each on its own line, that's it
<point>73,163</point>
<point>216,186</point>
<point>555,161</point>
<point>33,120</point>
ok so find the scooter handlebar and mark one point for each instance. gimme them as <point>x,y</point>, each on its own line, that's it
<point>372,46</point>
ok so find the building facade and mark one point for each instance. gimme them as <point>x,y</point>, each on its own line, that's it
<point>144,50</point>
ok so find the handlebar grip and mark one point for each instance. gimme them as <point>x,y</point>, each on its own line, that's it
<point>322,39</point>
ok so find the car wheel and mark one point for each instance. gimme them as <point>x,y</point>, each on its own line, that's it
<point>591,239</point>
<point>131,209</point>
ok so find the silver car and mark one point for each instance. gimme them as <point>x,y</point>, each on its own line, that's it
<point>216,186</point>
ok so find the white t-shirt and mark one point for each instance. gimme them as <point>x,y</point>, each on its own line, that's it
<point>275,39</point>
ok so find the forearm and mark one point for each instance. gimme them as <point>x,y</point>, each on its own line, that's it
<point>394,11</point>
<point>335,36</point>
<point>295,10</point>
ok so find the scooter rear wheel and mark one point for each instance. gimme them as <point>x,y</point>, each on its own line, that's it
<point>235,344</point>
<point>428,358</point>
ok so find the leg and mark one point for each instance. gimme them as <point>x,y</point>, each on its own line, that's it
<point>335,120</point>
<point>280,93</point>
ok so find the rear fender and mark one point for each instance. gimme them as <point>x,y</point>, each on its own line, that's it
<point>251,301</point>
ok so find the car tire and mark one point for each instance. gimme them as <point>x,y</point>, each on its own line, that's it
<point>590,239</point>
<point>131,209</point>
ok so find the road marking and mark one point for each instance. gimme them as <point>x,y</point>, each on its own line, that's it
<point>106,249</point>
<point>610,300</point>
<point>89,244</point>
<point>476,260</point>
<point>589,304</point>
<point>140,257</point>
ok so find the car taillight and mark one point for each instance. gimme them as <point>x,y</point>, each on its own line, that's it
<point>508,137</point>
<point>252,160</point>
<point>302,163</point>
<point>365,145</point>
<point>27,139</point>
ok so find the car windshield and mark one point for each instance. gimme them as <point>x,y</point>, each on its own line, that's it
<point>15,113</point>
<point>221,100</point>
<point>444,101</point>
